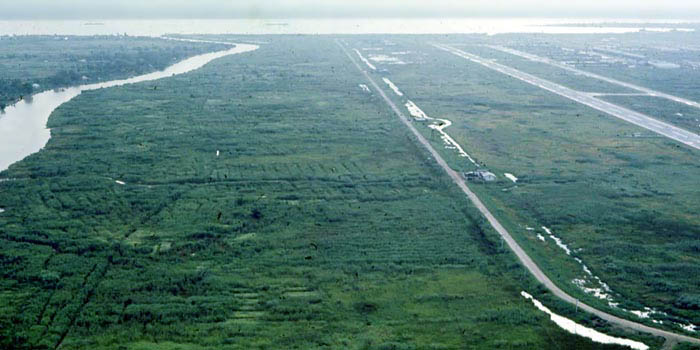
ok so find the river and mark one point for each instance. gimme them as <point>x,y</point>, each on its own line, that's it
<point>23,128</point>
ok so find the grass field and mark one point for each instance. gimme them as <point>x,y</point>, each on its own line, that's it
<point>59,61</point>
<point>622,198</point>
<point>544,70</point>
<point>264,201</point>
<point>648,49</point>
<point>662,109</point>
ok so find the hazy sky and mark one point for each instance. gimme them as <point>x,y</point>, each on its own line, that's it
<point>95,9</point>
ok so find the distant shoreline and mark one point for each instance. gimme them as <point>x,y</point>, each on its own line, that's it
<point>341,26</point>
<point>678,25</point>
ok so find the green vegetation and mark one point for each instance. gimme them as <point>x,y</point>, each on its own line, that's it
<point>624,200</point>
<point>686,346</point>
<point>546,71</point>
<point>675,113</point>
<point>268,202</point>
<point>30,64</point>
<point>634,58</point>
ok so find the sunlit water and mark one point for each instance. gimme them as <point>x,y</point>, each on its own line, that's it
<point>23,126</point>
<point>160,27</point>
<point>575,328</point>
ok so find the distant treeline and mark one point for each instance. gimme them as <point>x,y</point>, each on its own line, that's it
<point>89,60</point>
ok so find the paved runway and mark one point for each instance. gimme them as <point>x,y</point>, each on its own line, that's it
<point>588,99</point>
<point>503,232</point>
<point>595,76</point>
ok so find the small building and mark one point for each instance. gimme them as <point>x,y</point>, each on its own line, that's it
<point>480,175</point>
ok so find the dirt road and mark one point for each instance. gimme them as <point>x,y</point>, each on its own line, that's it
<point>519,252</point>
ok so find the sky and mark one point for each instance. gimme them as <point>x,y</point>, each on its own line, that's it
<point>110,9</point>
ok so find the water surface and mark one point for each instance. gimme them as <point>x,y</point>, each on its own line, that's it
<point>23,128</point>
<point>160,27</point>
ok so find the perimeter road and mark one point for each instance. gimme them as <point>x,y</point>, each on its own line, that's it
<point>639,119</point>
<point>519,252</point>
